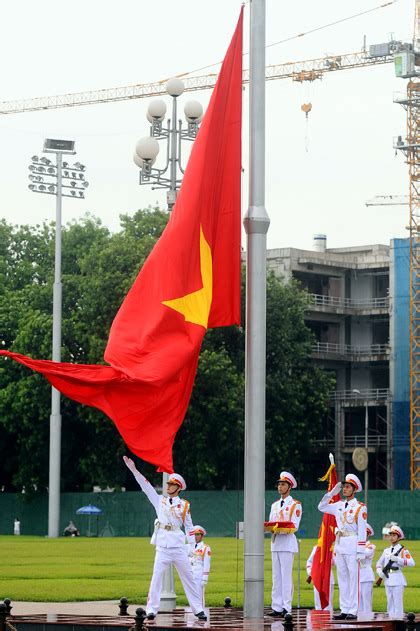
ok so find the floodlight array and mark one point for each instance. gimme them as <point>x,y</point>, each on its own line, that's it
<point>43,175</point>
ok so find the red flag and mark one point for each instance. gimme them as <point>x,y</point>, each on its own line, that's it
<point>321,565</point>
<point>190,281</point>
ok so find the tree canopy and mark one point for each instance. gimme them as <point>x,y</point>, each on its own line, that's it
<point>97,270</point>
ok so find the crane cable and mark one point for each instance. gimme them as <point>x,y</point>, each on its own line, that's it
<point>314,30</point>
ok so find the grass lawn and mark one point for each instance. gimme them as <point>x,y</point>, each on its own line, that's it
<point>78,568</point>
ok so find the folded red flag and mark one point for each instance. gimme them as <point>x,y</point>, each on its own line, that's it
<point>321,565</point>
<point>190,281</point>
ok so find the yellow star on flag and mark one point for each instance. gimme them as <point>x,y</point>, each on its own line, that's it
<point>195,307</point>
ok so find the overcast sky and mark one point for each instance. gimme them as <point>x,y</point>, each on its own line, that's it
<point>318,175</point>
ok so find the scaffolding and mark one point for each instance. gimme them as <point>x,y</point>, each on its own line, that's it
<point>411,148</point>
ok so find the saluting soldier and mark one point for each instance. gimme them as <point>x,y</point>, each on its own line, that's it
<point>200,559</point>
<point>390,569</point>
<point>173,514</point>
<point>350,542</point>
<point>284,546</point>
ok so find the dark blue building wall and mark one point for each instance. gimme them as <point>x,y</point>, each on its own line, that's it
<point>401,349</point>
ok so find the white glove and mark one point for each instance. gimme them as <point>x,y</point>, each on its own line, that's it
<point>335,490</point>
<point>130,464</point>
<point>360,556</point>
<point>331,457</point>
<point>380,574</point>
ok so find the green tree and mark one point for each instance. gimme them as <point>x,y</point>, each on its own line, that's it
<point>98,268</point>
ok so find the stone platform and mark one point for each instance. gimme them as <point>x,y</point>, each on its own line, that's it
<point>219,619</point>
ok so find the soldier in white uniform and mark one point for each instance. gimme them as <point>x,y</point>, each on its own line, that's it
<point>173,513</point>
<point>350,542</point>
<point>317,601</point>
<point>366,576</point>
<point>284,546</point>
<point>200,559</point>
<point>391,562</point>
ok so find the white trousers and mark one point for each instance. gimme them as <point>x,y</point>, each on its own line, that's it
<point>317,600</point>
<point>365,601</point>
<point>198,578</point>
<point>179,557</point>
<point>394,597</point>
<point>282,592</point>
<point>348,582</point>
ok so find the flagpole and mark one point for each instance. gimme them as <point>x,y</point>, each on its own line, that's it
<point>256,222</point>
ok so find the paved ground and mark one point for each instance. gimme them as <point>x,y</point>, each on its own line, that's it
<point>93,608</point>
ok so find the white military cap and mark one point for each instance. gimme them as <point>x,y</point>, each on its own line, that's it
<point>175,478</point>
<point>354,480</point>
<point>369,530</point>
<point>398,531</point>
<point>285,476</point>
<point>198,530</point>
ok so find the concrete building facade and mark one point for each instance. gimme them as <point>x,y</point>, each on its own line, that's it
<point>358,301</point>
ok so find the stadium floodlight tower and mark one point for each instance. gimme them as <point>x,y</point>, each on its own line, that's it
<point>62,180</point>
<point>147,148</point>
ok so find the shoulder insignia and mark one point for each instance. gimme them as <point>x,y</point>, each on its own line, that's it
<point>298,513</point>
<point>364,515</point>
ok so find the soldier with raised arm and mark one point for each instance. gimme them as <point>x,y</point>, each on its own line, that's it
<point>173,514</point>
<point>350,542</point>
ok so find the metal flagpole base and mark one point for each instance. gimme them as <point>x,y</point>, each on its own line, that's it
<point>168,596</point>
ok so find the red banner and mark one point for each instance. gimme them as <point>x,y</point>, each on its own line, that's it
<point>191,281</point>
<point>321,566</point>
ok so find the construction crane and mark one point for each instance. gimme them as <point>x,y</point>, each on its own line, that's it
<point>406,57</point>
<point>408,67</point>
<point>308,70</point>
<point>388,200</point>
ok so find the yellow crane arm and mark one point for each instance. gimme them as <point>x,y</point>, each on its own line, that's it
<point>307,70</point>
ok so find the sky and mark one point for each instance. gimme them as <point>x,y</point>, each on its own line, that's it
<point>319,172</point>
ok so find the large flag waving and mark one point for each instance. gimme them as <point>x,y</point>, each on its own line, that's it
<point>191,281</point>
<point>321,565</point>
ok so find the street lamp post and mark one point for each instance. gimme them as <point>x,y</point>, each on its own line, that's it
<point>167,177</point>
<point>367,450</point>
<point>147,148</point>
<point>60,180</point>
<point>366,403</point>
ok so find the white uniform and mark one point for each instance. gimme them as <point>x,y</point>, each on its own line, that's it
<point>395,583</point>
<point>169,540</point>
<point>283,549</point>
<point>366,578</point>
<point>317,600</point>
<point>200,559</point>
<point>350,541</point>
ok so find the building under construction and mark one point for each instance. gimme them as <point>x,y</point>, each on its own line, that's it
<point>358,310</point>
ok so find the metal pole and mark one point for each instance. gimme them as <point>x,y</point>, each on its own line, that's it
<point>256,224</point>
<point>171,196</point>
<point>55,418</point>
<point>298,574</point>
<point>168,596</point>
<point>367,450</point>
